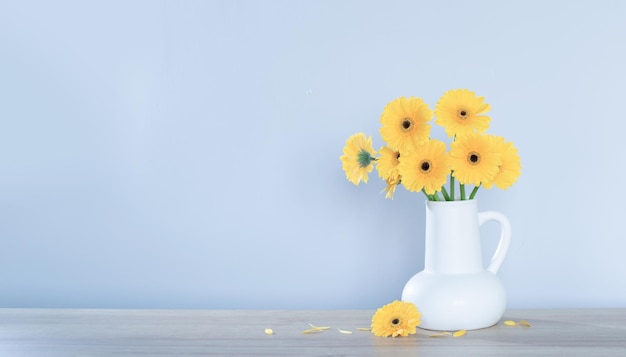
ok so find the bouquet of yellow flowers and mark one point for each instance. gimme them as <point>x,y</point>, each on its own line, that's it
<point>419,163</point>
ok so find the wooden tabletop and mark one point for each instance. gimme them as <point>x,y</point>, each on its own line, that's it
<point>69,332</point>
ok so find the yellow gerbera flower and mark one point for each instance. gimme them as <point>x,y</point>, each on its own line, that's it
<point>474,159</point>
<point>358,157</point>
<point>460,112</point>
<point>426,167</point>
<point>396,319</point>
<point>404,123</point>
<point>511,167</point>
<point>387,166</point>
<point>387,163</point>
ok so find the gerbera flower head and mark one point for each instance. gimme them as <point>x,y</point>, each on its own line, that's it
<point>404,123</point>
<point>510,169</point>
<point>474,159</point>
<point>425,168</point>
<point>460,112</point>
<point>387,162</point>
<point>398,318</point>
<point>387,166</point>
<point>358,157</point>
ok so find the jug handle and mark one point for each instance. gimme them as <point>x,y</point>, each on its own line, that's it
<point>505,237</point>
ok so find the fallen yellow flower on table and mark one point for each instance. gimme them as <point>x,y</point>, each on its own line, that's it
<point>398,318</point>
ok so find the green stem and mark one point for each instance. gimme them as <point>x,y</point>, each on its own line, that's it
<point>436,196</point>
<point>445,193</point>
<point>429,197</point>
<point>452,186</point>
<point>462,192</point>
<point>474,192</point>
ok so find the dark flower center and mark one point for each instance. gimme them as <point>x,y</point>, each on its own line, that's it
<point>473,158</point>
<point>395,322</point>
<point>463,113</point>
<point>425,166</point>
<point>407,124</point>
<point>364,158</point>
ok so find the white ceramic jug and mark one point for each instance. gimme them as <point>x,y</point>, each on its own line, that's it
<point>455,291</point>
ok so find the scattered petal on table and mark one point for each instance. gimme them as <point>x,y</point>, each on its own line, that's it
<point>311,331</point>
<point>320,328</point>
<point>269,331</point>
<point>440,334</point>
<point>510,323</point>
<point>525,323</point>
<point>345,332</point>
<point>459,333</point>
<point>364,329</point>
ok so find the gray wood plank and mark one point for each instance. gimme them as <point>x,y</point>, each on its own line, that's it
<point>69,332</point>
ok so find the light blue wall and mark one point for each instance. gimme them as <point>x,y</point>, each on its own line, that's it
<point>185,154</point>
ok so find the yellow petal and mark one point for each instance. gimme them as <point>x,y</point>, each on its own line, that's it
<point>459,333</point>
<point>441,334</point>
<point>321,328</point>
<point>311,331</point>
<point>510,323</point>
<point>269,331</point>
<point>345,332</point>
<point>525,323</point>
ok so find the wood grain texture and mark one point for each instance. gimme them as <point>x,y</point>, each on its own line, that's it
<point>68,332</point>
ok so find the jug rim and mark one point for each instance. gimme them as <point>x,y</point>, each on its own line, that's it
<point>451,203</point>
